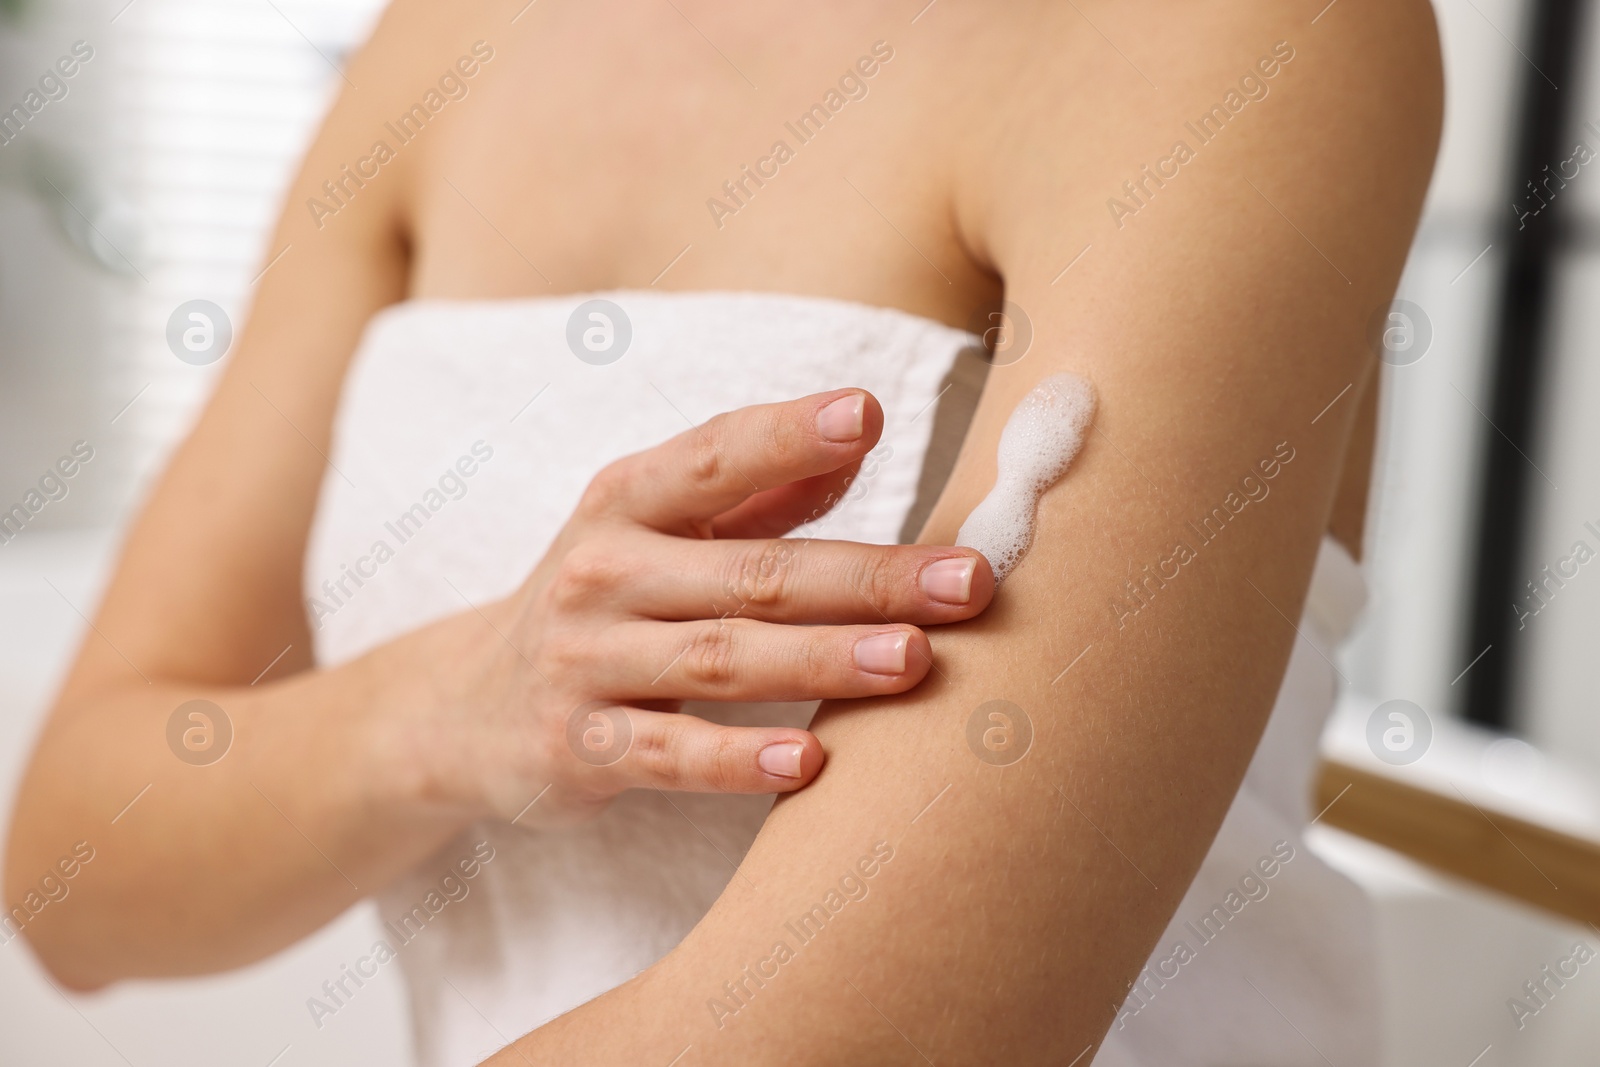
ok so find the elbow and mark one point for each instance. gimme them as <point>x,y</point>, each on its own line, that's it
<point>38,897</point>
<point>66,969</point>
<point>57,936</point>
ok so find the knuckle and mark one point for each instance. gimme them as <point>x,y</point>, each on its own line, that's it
<point>606,489</point>
<point>815,656</point>
<point>757,574</point>
<point>585,574</point>
<point>876,577</point>
<point>660,752</point>
<point>709,659</point>
<point>562,656</point>
<point>722,761</point>
<point>703,462</point>
<point>784,438</point>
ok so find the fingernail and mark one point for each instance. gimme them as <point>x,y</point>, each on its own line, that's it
<point>781,760</point>
<point>949,580</point>
<point>882,653</point>
<point>842,420</point>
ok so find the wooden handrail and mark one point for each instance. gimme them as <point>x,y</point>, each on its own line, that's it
<point>1535,864</point>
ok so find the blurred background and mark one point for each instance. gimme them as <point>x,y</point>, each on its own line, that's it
<point>151,175</point>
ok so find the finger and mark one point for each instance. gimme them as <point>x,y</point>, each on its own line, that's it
<point>774,512</point>
<point>684,484</point>
<point>802,581</point>
<point>741,660</point>
<point>687,754</point>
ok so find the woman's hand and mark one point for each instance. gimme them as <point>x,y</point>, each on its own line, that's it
<point>670,583</point>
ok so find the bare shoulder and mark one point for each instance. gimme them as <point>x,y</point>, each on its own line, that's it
<point>1108,114</point>
<point>420,58</point>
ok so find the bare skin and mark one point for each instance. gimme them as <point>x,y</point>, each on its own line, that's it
<point>979,163</point>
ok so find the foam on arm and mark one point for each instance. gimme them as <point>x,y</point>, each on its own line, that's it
<point>1037,446</point>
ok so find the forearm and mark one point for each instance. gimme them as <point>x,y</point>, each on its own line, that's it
<point>214,853</point>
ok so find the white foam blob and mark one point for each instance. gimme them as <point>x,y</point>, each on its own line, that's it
<point>1037,445</point>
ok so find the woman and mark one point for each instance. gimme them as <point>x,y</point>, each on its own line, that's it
<point>792,217</point>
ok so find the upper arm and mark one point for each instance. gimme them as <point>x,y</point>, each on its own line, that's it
<point>1215,327</point>
<point>208,586</point>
